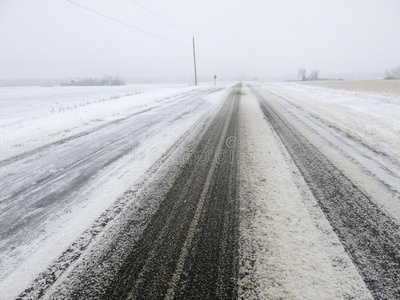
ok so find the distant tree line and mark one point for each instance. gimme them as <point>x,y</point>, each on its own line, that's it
<point>106,80</point>
<point>302,74</point>
<point>393,73</point>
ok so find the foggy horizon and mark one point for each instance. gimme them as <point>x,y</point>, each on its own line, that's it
<point>234,40</point>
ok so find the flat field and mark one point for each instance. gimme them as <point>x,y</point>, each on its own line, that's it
<point>373,86</point>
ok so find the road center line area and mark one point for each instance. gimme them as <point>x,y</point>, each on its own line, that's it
<point>223,193</point>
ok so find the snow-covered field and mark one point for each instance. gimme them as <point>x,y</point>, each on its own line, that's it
<point>389,88</point>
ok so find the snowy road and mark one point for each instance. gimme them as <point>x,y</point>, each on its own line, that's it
<point>369,235</point>
<point>243,192</point>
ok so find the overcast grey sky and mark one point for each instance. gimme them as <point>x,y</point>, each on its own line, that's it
<point>234,39</point>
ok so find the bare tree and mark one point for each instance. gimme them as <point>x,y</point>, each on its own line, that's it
<point>314,75</point>
<point>393,73</point>
<point>301,74</point>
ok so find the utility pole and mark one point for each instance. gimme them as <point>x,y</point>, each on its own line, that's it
<point>194,59</point>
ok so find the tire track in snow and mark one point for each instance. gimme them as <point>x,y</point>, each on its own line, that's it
<point>369,236</point>
<point>189,248</point>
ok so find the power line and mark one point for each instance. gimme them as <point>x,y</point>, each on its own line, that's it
<point>126,24</point>
<point>161,18</point>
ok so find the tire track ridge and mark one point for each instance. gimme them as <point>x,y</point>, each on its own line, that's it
<point>199,210</point>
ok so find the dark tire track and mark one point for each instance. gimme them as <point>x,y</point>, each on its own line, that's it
<point>149,270</point>
<point>189,248</point>
<point>369,236</point>
<point>210,271</point>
